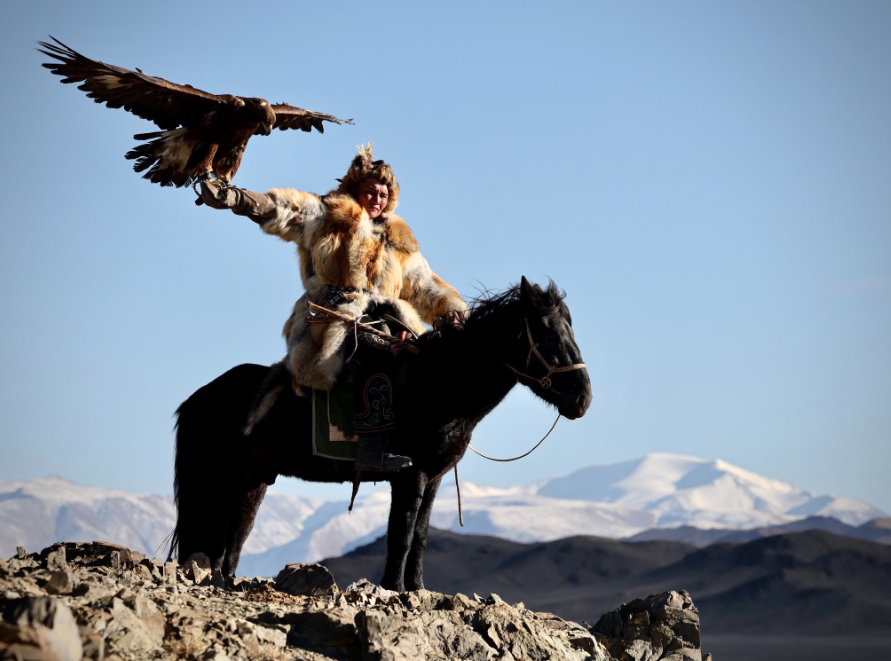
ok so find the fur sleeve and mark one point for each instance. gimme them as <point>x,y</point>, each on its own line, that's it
<point>429,294</point>
<point>297,215</point>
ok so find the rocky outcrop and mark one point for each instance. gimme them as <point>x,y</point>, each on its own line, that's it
<point>104,602</point>
<point>662,627</point>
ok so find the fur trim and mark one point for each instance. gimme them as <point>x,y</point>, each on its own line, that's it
<point>363,166</point>
<point>430,295</point>
<point>340,246</point>
<point>297,213</point>
<point>400,236</point>
<point>317,352</point>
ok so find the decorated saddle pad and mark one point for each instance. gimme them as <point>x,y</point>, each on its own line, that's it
<point>332,422</point>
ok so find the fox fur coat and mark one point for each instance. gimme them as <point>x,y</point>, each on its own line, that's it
<point>338,245</point>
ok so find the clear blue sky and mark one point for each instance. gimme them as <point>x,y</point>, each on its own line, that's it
<point>709,182</point>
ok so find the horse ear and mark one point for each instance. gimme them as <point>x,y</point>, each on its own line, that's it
<point>530,293</point>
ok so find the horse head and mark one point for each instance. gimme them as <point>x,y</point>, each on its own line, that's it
<point>546,357</point>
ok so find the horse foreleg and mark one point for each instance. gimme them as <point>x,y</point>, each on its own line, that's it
<point>408,494</point>
<point>414,568</point>
<point>241,520</point>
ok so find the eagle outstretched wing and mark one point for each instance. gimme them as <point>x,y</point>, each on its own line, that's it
<point>292,117</point>
<point>201,134</point>
<point>166,104</point>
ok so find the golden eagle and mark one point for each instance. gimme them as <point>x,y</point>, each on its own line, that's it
<point>200,134</point>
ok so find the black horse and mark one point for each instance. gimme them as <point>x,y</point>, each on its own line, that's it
<point>522,335</point>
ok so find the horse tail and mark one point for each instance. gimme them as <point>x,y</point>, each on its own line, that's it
<point>190,488</point>
<point>209,436</point>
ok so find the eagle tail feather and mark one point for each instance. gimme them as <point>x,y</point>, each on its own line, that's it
<point>154,158</point>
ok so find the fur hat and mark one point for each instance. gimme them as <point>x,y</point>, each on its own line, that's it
<point>363,166</point>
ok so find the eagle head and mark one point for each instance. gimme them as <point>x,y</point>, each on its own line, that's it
<point>262,112</point>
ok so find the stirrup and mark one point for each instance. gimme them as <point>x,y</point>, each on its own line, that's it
<point>385,462</point>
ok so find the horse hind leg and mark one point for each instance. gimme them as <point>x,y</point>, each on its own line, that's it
<point>200,499</point>
<point>201,521</point>
<point>242,514</point>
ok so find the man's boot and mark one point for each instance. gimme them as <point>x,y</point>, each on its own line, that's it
<point>370,454</point>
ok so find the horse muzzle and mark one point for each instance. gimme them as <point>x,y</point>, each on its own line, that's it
<point>576,408</point>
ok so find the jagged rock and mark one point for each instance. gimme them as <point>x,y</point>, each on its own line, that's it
<point>39,628</point>
<point>533,637</point>
<point>662,627</point>
<point>426,600</point>
<point>136,623</point>
<point>61,582</point>
<point>460,602</point>
<point>332,632</point>
<point>406,639</point>
<point>131,608</point>
<point>365,593</point>
<point>56,560</point>
<point>305,580</point>
<point>170,572</point>
<point>93,644</point>
<point>364,586</point>
<point>197,568</point>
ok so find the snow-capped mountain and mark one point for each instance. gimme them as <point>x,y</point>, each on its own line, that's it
<point>618,500</point>
<point>682,490</point>
<point>35,513</point>
<point>507,513</point>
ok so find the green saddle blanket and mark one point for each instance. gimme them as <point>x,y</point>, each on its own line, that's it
<point>332,422</point>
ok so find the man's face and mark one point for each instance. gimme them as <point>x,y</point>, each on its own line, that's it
<point>373,196</point>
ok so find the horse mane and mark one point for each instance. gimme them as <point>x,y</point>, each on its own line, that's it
<point>493,316</point>
<point>488,302</point>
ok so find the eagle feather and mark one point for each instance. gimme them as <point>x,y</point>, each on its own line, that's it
<point>201,133</point>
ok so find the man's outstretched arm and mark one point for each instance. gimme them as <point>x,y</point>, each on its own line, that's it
<point>283,212</point>
<point>256,206</point>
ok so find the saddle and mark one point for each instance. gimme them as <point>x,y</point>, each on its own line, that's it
<point>336,415</point>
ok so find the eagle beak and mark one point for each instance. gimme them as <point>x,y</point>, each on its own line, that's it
<point>266,129</point>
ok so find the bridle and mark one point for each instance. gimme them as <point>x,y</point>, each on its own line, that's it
<point>545,381</point>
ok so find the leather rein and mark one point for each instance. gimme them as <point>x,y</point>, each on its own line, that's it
<point>545,382</point>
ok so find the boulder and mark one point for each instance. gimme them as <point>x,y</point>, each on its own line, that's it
<point>62,581</point>
<point>662,627</point>
<point>305,580</point>
<point>197,568</point>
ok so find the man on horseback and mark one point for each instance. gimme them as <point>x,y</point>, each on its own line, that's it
<point>357,258</point>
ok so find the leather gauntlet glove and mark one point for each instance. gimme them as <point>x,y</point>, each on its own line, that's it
<point>256,206</point>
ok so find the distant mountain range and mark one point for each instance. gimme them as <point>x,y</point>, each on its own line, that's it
<point>812,583</point>
<point>876,530</point>
<point>692,500</point>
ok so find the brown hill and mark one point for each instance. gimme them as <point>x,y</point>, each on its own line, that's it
<point>812,582</point>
